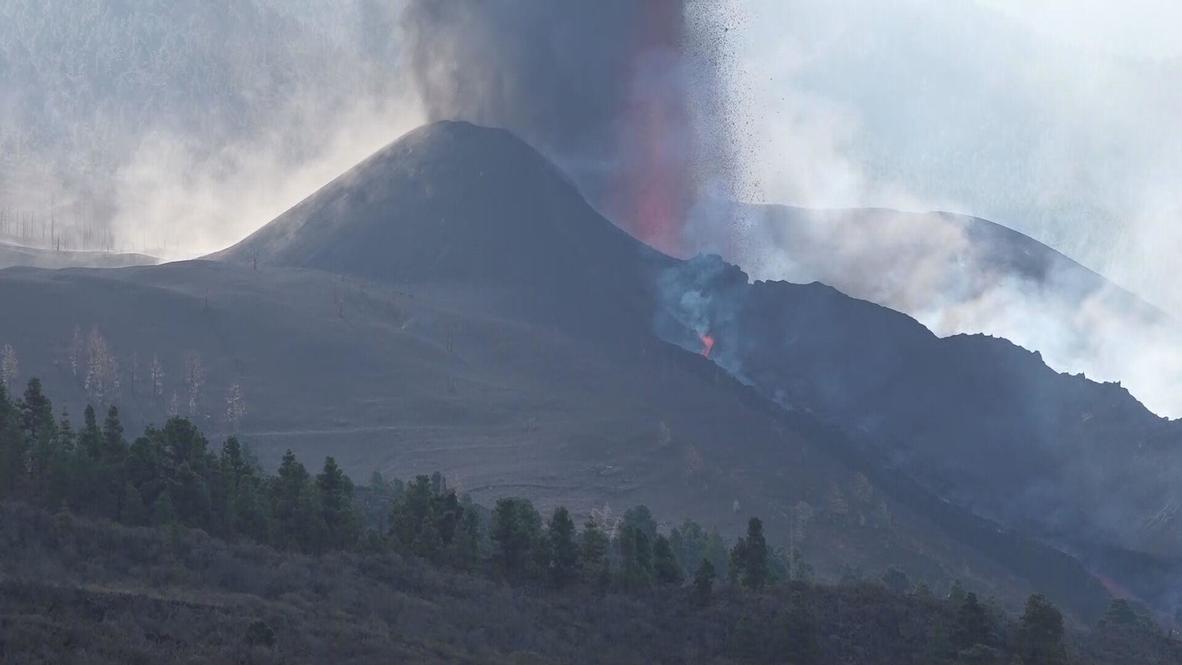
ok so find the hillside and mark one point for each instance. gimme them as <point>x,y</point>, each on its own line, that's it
<point>405,383</point>
<point>474,378</point>
<point>957,274</point>
<point>975,419</point>
<point>117,594</point>
<point>19,255</point>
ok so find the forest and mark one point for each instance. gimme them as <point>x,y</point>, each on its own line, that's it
<point>165,546</point>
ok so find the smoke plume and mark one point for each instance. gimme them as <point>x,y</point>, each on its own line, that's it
<point>623,94</point>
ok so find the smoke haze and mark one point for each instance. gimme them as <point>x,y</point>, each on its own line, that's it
<point>175,128</point>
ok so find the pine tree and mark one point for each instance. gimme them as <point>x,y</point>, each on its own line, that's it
<point>738,562</point>
<point>972,625</point>
<point>91,437</point>
<point>704,582</point>
<point>640,517</point>
<point>564,551</point>
<point>336,505</point>
<point>636,557</point>
<point>63,472</point>
<point>593,547</point>
<point>516,533</point>
<point>114,449</point>
<point>163,513</point>
<point>132,510</point>
<point>464,552</point>
<point>40,433</point>
<point>802,571</point>
<point>290,504</point>
<point>13,451</point>
<point>410,512</point>
<point>665,566</point>
<point>1040,633</point>
<point>755,565</point>
<point>36,412</point>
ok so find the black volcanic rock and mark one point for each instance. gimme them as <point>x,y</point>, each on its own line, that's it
<point>454,203</point>
<point>975,419</point>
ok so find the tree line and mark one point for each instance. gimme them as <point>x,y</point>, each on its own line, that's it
<point>171,477</point>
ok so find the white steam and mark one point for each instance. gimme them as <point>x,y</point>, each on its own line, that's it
<point>174,199</point>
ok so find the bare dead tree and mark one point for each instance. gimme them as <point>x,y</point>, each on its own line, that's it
<point>9,367</point>
<point>102,369</point>
<point>194,381</point>
<point>76,347</point>
<point>235,406</point>
<point>157,374</point>
<point>134,371</point>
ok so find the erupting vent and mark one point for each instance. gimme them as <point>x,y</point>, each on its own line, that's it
<point>707,344</point>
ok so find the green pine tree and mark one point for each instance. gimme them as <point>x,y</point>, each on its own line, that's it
<point>972,624</point>
<point>665,566</point>
<point>163,512</point>
<point>593,549</point>
<point>704,582</point>
<point>749,557</point>
<point>13,451</point>
<point>114,447</point>
<point>636,557</point>
<point>516,535</point>
<point>564,551</point>
<point>132,510</point>
<point>341,522</point>
<point>1040,633</point>
<point>90,439</point>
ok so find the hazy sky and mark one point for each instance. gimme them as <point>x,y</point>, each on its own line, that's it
<point>1139,28</point>
<point>1060,118</point>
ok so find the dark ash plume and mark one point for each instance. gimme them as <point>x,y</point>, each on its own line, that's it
<point>622,94</point>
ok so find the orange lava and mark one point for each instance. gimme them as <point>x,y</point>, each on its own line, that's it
<point>707,344</point>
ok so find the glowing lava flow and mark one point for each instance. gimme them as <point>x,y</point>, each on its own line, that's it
<point>707,344</point>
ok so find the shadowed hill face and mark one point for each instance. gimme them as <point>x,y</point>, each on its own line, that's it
<point>454,203</point>
<point>975,419</point>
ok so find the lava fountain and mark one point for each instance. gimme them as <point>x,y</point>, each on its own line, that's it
<point>707,344</point>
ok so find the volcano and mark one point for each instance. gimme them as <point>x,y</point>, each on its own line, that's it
<point>453,304</point>
<point>456,204</point>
